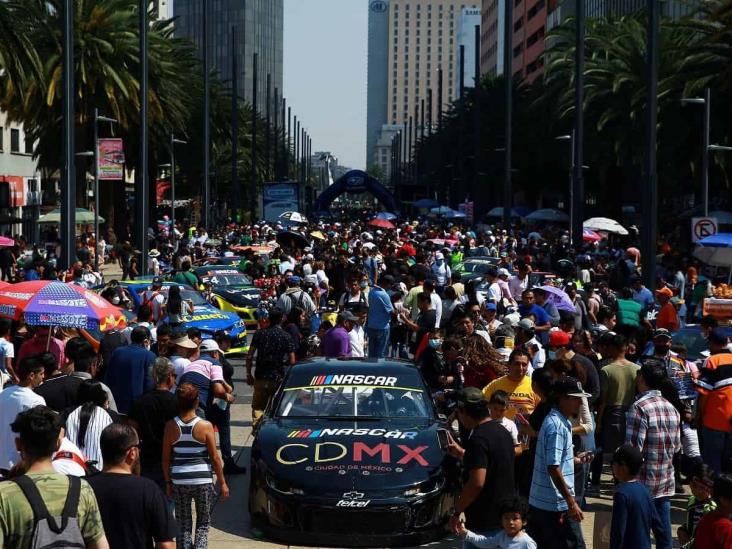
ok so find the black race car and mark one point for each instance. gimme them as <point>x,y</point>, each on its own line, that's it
<point>352,452</point>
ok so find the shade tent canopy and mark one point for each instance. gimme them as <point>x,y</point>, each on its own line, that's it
<point>82,216</point>
<point>356,182</point>
<point>426,203</point>
<point>498,212</point>
<point>548,214</point>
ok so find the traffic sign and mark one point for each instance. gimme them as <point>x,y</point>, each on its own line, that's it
<point>702,227</point>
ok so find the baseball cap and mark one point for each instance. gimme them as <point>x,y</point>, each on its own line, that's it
<point>665,291</point>
<point>490,306</point>
<point>571,285</point>
<point>569,386</point>
<point>294,279</point>
<point>471,396</point>
<point>347,315</point>
<point>558,338</point>
<point>661,332</point>
<point>439,255</point>
<point>209,346</point>
<point>526,324</point>
<point>157,282</point>
<point>717,336</point>
<point>185,342</point>
<point>503,272</point>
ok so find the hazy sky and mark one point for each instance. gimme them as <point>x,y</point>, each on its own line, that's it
<point>325,73</point>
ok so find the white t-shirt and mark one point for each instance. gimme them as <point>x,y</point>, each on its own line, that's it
<point>511,428</point>
<point>69,466</point>
<point>6,351</point>
<point>13,400</point>
<point>358,341</point>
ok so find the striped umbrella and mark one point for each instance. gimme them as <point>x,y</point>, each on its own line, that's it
<point>53,303</point>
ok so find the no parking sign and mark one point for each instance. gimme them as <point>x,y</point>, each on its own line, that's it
<point>702,227</point>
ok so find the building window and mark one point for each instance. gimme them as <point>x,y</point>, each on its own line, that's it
<point>14,140</point>
<point>28,145</point>
<point>2,138</point>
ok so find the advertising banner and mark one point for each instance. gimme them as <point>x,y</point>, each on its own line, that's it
<point>111,162</point>
<point>278,198</point>
<point>468,208</point>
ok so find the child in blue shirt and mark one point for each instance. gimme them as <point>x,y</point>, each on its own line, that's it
<point>634,515</point>
<point>513,519</point>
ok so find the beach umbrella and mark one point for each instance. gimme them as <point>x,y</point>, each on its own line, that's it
<point>606,225</point>
<point>498,212</point>
<point>560,298</point>
<point>53,303</point>
<point>426,203</point>
<point>548,214</point>
<point>82,216</point>
<point>292,239</point>
<point>318,235</point>
<point>382,223</point>
<point>293,217</point>
<point>441,210</point>
<point>715,250</point>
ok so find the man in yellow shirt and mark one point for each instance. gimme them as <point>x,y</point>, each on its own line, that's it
<point>521,397</point>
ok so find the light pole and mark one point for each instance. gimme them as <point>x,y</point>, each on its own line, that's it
<point>508,132</point>
<point>143,187</point>
<point>173,143</point>
<point>578,134</point>
<point>68,180</point>
<point>570,138</point>
<point>707,102</point>
<point>97,118</point>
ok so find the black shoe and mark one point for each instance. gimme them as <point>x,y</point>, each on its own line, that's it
<point>231,468</point>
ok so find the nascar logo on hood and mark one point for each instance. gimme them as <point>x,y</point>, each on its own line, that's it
<point>353,379</point>
<point>309,433</point>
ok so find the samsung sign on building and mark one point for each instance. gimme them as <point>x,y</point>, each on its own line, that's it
<point>378,6</point>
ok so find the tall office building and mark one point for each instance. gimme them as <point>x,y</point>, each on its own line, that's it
<point>529,28</point>
<point>260,29</point>
<point>421,37</point>
<point>378,75</point>
<point>469,19</point>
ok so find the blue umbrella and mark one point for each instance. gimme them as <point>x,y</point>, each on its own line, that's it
<point>441,210</point>
<point>386,215</point>
<point>715,250</point>
<point>426,203</point>
<point>455,215</point>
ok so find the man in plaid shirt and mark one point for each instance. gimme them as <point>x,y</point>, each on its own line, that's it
<point>653,426</point>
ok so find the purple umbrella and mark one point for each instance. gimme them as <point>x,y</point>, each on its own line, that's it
<point>559,298</point>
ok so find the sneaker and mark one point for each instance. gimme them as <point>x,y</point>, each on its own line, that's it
<point>231,468</point>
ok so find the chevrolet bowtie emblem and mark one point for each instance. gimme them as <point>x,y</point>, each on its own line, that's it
<point>353,495</point>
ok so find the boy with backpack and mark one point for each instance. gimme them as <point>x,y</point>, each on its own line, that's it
<point>62,509</point>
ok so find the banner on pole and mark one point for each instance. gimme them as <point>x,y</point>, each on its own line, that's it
<point>111,162</point>
<point>278,198</point>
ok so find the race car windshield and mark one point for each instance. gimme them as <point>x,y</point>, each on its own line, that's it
<point>350,402</point>
<point>230,280</point>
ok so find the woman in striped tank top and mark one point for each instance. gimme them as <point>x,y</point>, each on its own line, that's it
<point>189,454</point>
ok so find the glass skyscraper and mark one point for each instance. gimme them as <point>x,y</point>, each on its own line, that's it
<point>259,26</point>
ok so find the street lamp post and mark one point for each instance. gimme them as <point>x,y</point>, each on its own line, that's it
<point>173,143</point>
<point>143,217</point>
<point>578,135</point>
<point>572,172</point>
<point>97,119</point>
<point>707,102</point>
<point>68,189</point>
<point>508,132</point>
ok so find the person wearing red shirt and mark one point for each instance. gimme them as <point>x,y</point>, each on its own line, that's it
<point>714,530</point>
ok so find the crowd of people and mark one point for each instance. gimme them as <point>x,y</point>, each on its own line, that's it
<point>554,362</point>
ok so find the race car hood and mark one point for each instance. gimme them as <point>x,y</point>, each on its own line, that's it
<point>240,296</point>
<point>210,319</point>
<point>332,457</point>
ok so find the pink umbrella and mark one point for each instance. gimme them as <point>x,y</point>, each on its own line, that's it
<point>6,242</point>
<point>588,235</point>
<point>382,223</point>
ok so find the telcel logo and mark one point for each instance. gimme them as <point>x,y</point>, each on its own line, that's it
<point>323,452</point>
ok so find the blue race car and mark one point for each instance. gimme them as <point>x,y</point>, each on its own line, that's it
<point>205,317</point>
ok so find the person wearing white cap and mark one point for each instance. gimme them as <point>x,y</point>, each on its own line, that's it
<point>207,376</point>
<point>183,347</point>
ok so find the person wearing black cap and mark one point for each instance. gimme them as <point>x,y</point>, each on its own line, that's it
<point>554,513</point>
<point>714,409</point>
<point>634,515</point>
<point>488,465</point>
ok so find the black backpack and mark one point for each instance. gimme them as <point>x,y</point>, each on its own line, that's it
<point>47,532</point>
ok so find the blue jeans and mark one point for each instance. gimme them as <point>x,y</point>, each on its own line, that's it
<point>663,508</point>
<point>486,533</point>
<point>222,419</point>
<point>378,341</point>
<point>716,449</point>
